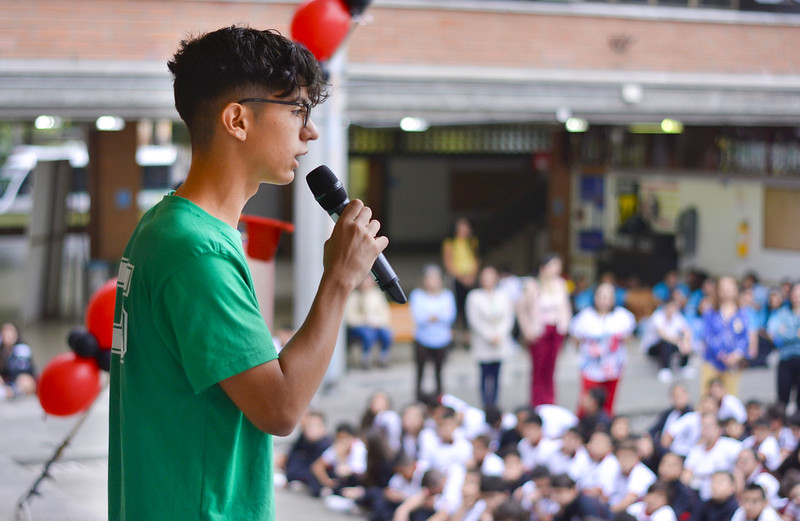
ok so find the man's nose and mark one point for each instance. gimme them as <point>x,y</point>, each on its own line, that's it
<point>311,131</point>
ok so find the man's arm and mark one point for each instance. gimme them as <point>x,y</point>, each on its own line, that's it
<point>274,395</point>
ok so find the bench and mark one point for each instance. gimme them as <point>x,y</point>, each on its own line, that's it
<point>402,322</point>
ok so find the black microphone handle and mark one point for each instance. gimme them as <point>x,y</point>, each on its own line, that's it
<point>382,271</point>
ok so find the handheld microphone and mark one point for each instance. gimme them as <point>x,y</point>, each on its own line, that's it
<point>331,195</point>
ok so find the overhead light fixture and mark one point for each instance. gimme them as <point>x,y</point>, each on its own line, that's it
<point>109,123</point>
<point>671,126</point>
<point>47,122</point>
<point>632,93</point>
<point>666,126</point>
<point>574,124</point>
<point>412,124</point>
<point>563,114</point>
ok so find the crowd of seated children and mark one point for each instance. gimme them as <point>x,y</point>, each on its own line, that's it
<point>441,458</point>
<point>715,460</point>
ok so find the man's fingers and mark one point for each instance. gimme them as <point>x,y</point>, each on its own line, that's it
<point>351,210</point>
<point>364,215</point>
<point>358,215</point>
<point>373,227</point>
<point>382,242</point>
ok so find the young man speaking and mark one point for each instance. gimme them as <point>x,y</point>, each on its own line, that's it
<point>197,387</point>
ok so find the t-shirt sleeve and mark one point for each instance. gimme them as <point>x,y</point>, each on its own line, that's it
<point>214,315</point>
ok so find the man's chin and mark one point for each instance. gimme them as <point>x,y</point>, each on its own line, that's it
<point>283,180</point>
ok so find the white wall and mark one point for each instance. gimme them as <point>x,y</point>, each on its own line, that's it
<point>721,206</point>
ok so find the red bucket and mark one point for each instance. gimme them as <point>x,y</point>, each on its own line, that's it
<point>263,235</point>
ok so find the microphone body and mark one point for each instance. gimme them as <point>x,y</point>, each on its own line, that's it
<point>331,195</point>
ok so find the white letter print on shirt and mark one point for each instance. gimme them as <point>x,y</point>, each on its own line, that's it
<point>119,343</point>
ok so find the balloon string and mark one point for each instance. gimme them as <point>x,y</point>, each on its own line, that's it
<point>355,22</point>
<point>34,490</point>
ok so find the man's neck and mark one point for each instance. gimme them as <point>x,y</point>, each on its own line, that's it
<point>219,189</point>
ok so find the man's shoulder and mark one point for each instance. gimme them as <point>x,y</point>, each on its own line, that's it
<point>175,230</point>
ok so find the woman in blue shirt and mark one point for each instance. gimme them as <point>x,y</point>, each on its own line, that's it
<point>433,308</point>
<point>784,329</point>
<point>728,338</point>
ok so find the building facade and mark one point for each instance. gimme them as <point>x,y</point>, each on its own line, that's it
<point>610,132</point>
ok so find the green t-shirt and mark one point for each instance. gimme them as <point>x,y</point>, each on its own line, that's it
<point>186,318</point>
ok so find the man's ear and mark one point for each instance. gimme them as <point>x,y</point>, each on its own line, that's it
<point>234,121</point>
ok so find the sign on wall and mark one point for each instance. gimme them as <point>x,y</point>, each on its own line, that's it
<point>781,215</point>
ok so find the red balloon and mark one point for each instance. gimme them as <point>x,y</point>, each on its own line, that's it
<point>321,25</point>
<point>69,384</point>
<point>100,314</point>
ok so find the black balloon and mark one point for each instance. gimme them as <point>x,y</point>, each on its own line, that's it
<point>103,358</point>
<point>74,334</point>
<point>83,343</point>
<point>356,7</point>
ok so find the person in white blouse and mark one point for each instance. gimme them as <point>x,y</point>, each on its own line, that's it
<point>712,453</point>
<point>490,316</point>
<point>667,336</point>
<point>601,332</point>
<point>571,458</point>
<point>634,477</point>
<point>444,445</point>
<point>343,463</point>
<point>764,444</point>
<point>533,448</point>
<point>543,313</point>
<point>598,479</point>
<point>655,505</point>
<point>750,470</point>
<point>684,433</point>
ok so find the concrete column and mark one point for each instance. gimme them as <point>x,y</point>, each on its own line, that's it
<point>114,182</point>
<point>312,224</point>
<point>559,188</point>
<point>47,233</point>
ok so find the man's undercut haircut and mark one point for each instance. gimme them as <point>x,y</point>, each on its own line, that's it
<point>235,62</point>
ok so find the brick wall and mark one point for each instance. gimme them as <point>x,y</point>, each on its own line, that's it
<point>120,29</point>
<point>572,42</point>
<point>150,30</point>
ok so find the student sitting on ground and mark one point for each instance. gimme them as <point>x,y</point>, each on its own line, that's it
<point>668,336</point>
<point>342,464</point>
<point>683,500</point>
<point>574,504</point>
<point>722,504</point>
<point>634,477</point>
<point>655,505</point>
<point>314,439</point>
<point>755,506</point>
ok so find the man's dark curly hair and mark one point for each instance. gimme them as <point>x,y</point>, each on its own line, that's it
<point>234,62</point>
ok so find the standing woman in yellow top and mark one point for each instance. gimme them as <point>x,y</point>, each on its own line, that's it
<point>461,262</point>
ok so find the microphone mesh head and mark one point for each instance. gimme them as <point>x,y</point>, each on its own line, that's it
<point>326,187</point>
<point>321,179</point>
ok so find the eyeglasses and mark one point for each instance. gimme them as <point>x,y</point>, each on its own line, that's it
<point>306,106</point>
